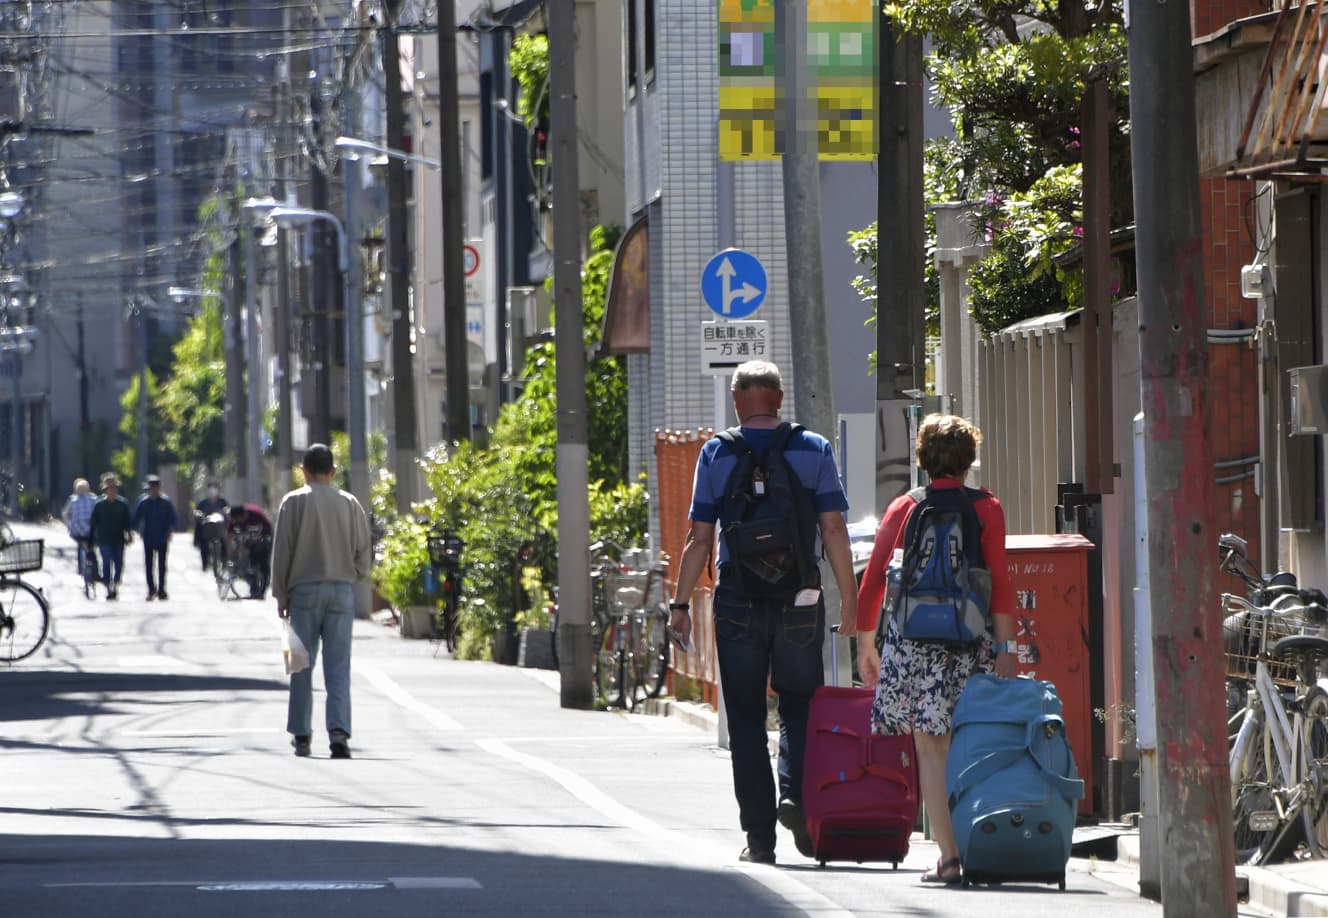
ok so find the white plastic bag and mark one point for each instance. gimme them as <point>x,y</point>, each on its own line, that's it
<point>293,652</point>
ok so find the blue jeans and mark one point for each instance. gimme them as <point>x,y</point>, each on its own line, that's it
<point>112,563</point>
<point>760,640</point>
<point>322,613</point>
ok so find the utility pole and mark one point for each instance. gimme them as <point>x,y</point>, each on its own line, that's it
<point>573,457</point>
<point>232,335</point>
<point>84,414</point>
<point>1194,784</point>
<point>355,422</point>
<point>456,357</point>
<point>141,314</point>
<point>282,312</point>
<point>253,487</point>
<point>406,447</point>
<point>800,161</point>
<point>323,291</point>
<point>900,297</point>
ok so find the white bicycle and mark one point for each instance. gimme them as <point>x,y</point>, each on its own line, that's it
<point>1279,744</point>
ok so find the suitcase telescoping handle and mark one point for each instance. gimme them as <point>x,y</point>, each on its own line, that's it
<point>834,656</point>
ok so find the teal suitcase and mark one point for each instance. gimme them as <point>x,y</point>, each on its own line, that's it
<point>1012,783</point>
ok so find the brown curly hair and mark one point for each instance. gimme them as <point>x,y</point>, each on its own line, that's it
<point>947,445</point>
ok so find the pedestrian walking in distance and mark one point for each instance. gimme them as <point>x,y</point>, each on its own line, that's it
<point>155,520</point>
<point>77,515</point>
<point>918,683</point>
<point>320,551</point>
<point>774,491</point>
<point>111,530</point>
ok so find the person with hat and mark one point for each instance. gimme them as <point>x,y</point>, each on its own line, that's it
<point>111,530</point>
<point>155,519</point>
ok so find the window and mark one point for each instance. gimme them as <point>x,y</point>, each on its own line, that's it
<point>650,41</point>
<point>631,48</point>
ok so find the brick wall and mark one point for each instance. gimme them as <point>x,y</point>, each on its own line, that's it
<point>1226,215</point>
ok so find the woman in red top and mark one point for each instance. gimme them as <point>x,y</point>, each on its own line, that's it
<point>917,685</point>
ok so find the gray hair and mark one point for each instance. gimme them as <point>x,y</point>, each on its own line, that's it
<point>757,373</point>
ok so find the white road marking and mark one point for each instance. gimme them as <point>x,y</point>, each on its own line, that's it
<point>285,885</point>
<point>385,684</point>
<point>435,883</point>
<point>780,883</point>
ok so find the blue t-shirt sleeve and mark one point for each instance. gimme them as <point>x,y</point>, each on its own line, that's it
<point>705,502</point>
<point>830,495</point>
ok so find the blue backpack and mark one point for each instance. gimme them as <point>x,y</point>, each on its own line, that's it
<point>1012,783</point>
<point>944,585</point>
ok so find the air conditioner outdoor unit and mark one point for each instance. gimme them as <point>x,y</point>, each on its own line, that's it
<point>1309,400</point>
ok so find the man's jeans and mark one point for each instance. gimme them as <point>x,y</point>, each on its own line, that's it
<point>322,613</point>
<point>760,639</point>
<point>112,563</point>
<point>155,555</point>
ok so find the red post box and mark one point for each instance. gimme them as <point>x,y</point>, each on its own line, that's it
<point>1049,574</point>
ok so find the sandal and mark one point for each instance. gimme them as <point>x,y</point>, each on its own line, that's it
<point>946,872</point>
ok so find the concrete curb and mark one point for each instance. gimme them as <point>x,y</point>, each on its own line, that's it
<point>1281,890</point>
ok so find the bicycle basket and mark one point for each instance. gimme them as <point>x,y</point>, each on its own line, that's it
<point>1249,635</point>
<point>23,555</point>
<point>626,589</point>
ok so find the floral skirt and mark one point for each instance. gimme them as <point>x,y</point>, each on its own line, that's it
<point>921,683</point>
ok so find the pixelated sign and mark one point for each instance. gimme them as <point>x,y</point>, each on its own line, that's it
<point>841,58</point>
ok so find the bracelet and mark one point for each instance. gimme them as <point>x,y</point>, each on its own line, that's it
<point>679,606</point>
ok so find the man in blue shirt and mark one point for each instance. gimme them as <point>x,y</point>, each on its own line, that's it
<point>155,519</point>
<point>766,639</point>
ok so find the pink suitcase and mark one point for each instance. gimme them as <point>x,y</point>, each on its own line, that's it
<point>859,791</point>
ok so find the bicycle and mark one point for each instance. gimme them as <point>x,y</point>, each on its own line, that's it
<point>629,630</point>
<point>1279,751</point>
<point>24,611</point>
<point>443,582</point>
<point>88,567</point>
<point>238,564</point>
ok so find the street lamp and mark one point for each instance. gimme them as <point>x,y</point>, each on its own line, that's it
<point>355,424</point>
<point>353,145</point>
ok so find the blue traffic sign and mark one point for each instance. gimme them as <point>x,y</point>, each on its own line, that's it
<point>733,284</point>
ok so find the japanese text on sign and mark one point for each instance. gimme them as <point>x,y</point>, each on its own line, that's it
<point>724,345</point>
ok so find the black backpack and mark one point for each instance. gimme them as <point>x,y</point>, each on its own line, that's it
<point>769,519</point>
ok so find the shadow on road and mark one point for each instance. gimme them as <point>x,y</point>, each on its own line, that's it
<point>48,695</point>
<point>114,875</point>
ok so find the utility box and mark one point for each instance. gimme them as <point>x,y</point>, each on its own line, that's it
<point>1049,574</point>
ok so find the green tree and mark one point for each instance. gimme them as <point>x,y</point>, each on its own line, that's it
<point>125,459</point>
<point>1012,75</point>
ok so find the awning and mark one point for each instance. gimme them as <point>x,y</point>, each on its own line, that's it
<point>627,312</point>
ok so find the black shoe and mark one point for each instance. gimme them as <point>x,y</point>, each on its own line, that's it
<point>301,744</point>
<point>340,745</point>
<point>752,855</point>
<point>791,818</point>
<point>112,593</point>
<point>151,596</point>
<point>161,594</point>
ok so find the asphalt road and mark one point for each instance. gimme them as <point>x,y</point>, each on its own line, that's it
<point>146,771</point>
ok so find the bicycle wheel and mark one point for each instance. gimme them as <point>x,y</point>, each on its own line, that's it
<point>88,565</point>
<point>652,653</point>
<point>24,620</point>
<point>1315,813</point>
<point>1249,790</point>
<point>609,666</point>
<point>1277,844</point>
<point>449,622</point>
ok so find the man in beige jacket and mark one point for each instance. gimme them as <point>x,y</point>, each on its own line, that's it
<point>320,550</point>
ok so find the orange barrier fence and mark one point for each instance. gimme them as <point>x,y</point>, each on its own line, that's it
<point>675,461</point>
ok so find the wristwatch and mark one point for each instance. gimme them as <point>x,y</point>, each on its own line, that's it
<point>679,606</point>
<point>1011,646</point>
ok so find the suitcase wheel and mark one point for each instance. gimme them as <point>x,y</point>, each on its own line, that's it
<point>822,863</point>
<point>1062,883</point>
<point>894,865</point>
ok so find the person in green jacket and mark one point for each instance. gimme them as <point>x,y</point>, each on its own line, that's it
<point>111,531</point>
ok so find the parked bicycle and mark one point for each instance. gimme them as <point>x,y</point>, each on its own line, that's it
<point>1276,646</point>
<point>24,612</point>
<point>629,626</point>
<point>88,567</point>
<point>443,582</point>
<point>238,564</point>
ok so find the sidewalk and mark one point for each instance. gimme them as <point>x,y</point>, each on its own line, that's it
<point>1292,890</point>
